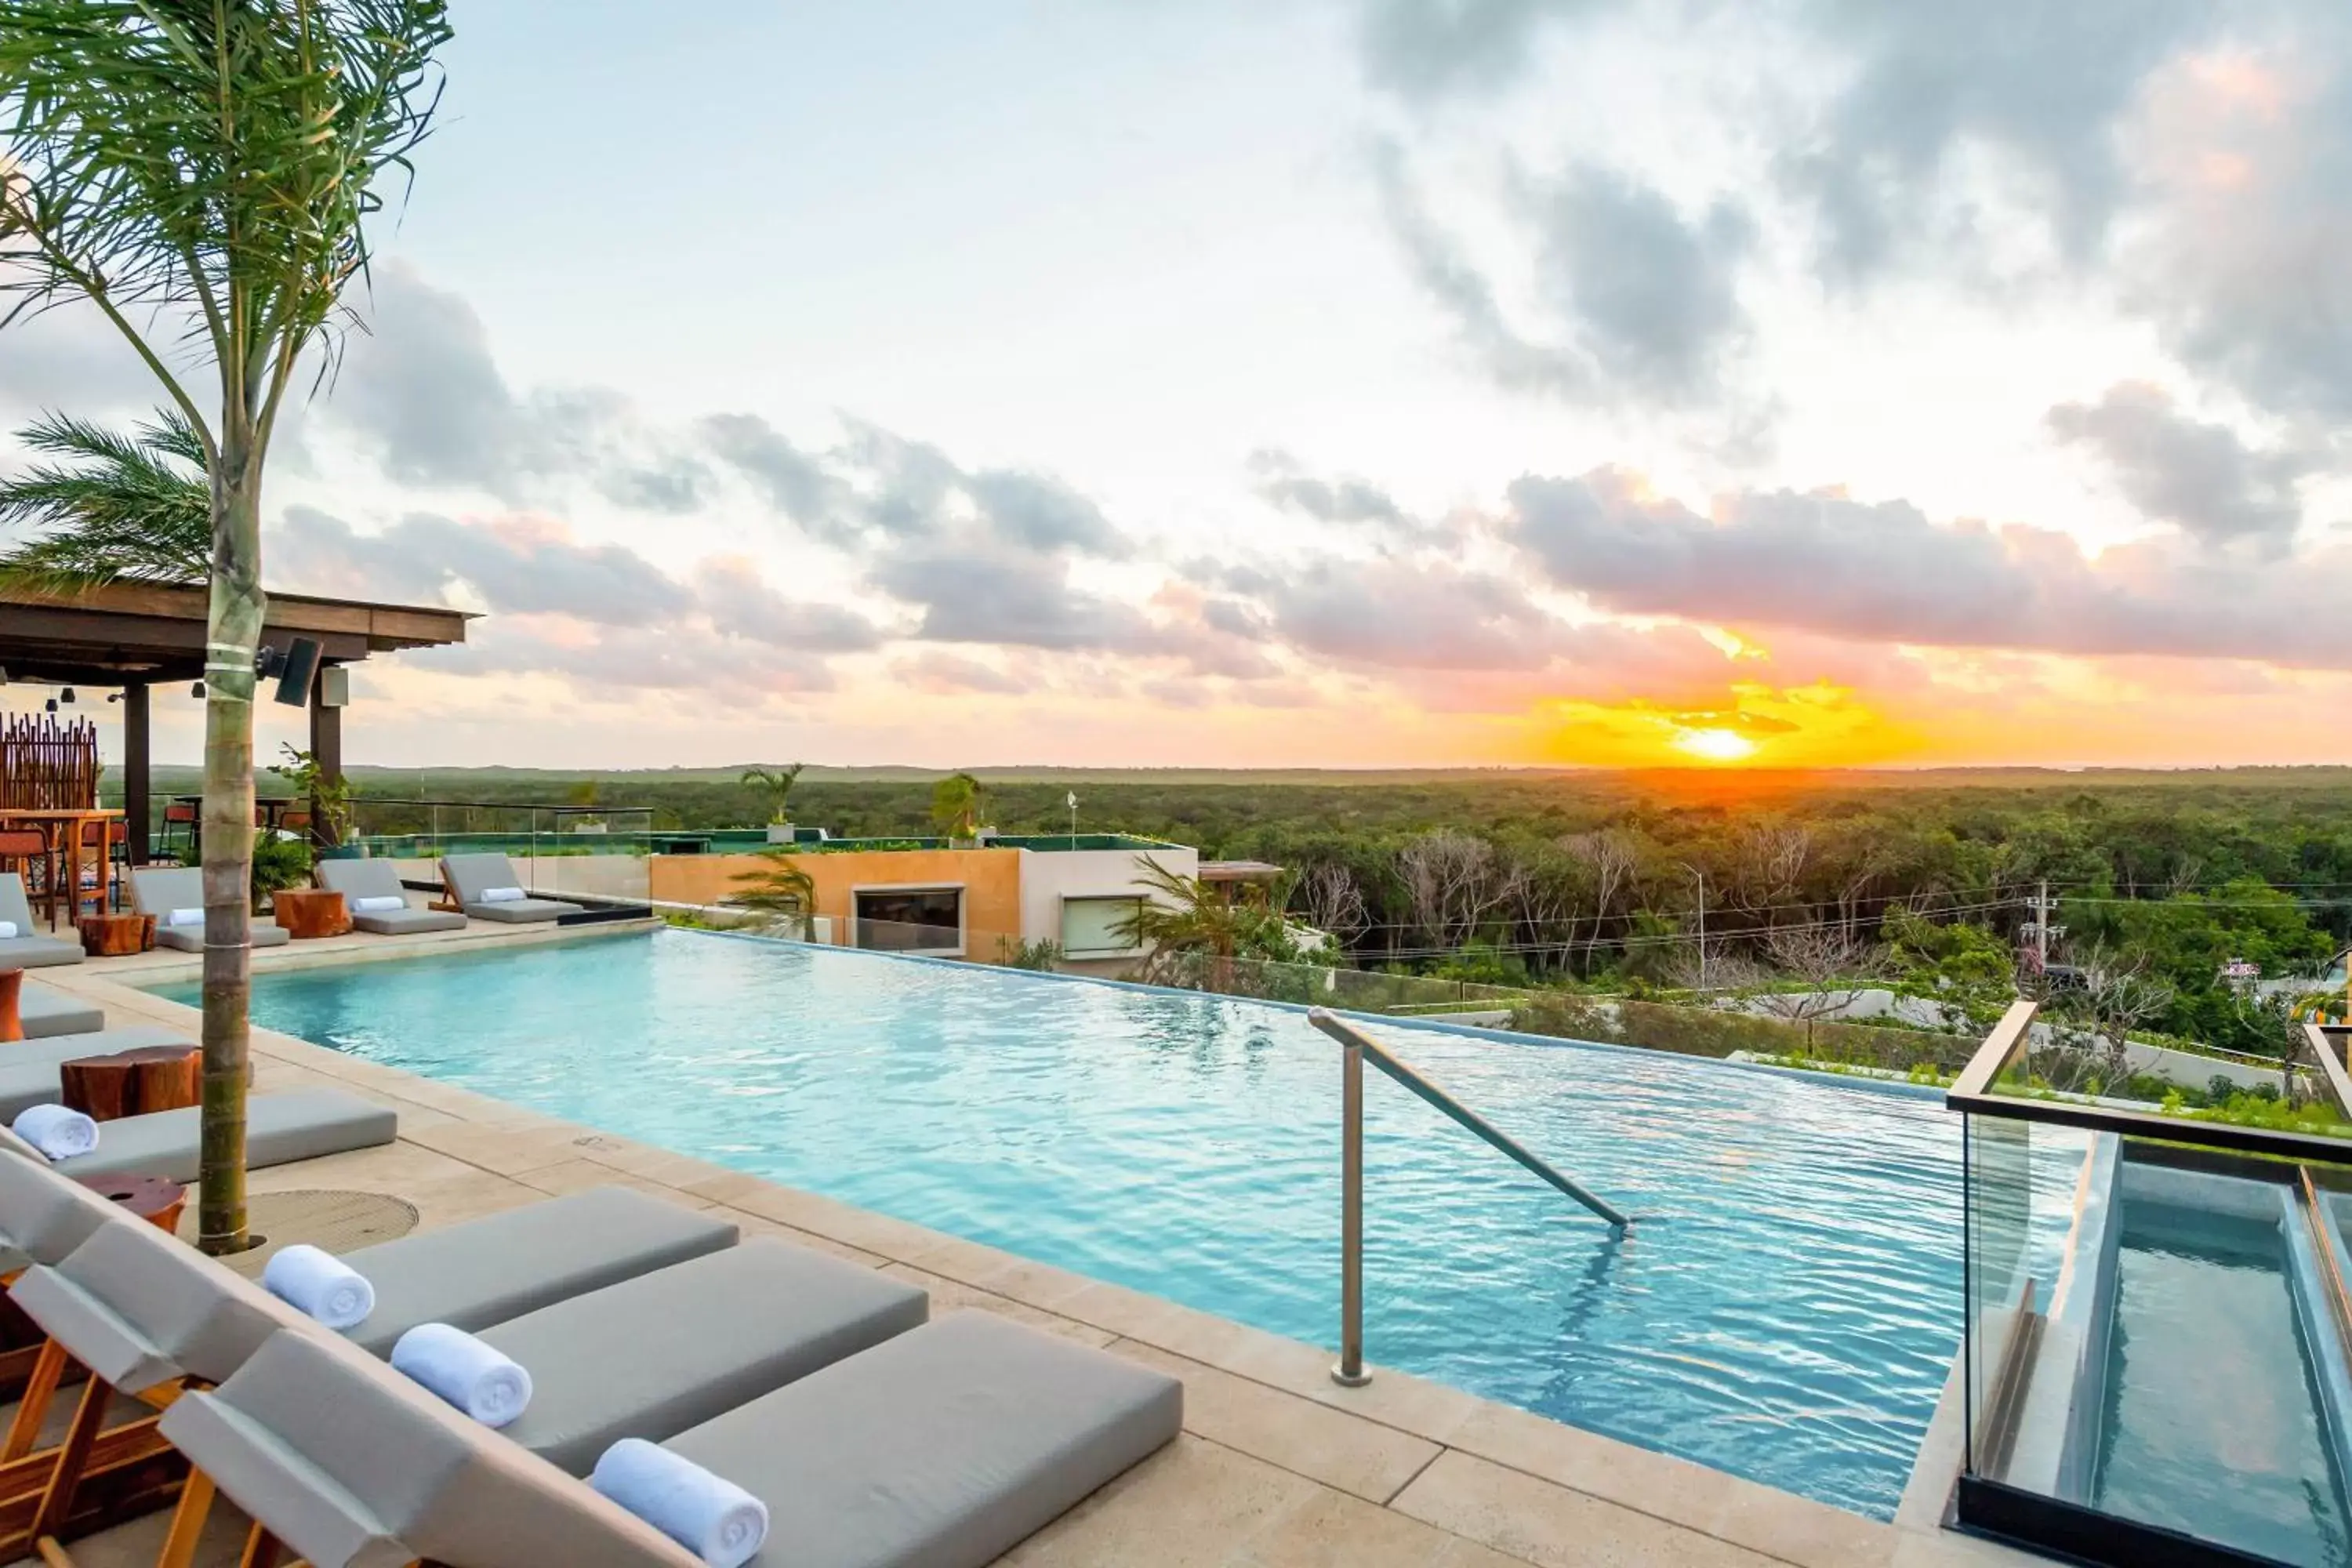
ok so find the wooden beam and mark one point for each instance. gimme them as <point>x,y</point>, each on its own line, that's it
<point>137,772</point>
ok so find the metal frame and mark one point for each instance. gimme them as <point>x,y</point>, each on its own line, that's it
<point>1359,1047</point>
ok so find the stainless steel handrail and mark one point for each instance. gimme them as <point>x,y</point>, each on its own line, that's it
<point>1357,1048</point>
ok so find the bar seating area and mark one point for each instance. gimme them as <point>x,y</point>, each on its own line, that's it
<point>70,850</point>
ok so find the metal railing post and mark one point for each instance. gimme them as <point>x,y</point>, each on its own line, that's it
<point>1350,1373</point>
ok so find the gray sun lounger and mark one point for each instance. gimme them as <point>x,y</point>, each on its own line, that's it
<point>142,1309</point>
<point>280,1129</point>
<point>47,1011</point>
<point>941,1447</point>
<point>44,1216</point>
<point>28,1068</point>
<point>159,889</point>
<point>27,950</point>
<point>357,880</point>
<point>471,876</point>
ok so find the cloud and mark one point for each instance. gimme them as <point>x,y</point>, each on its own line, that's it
<point>1283,482</point>
<point>978,593</point>
<point>792,480</point>
<point>1885,572</point>
<point>1410,615</point>
<point>2199,477</point>
<point>1422,49</point>
<point>1635,298</point>
<point>738,601</point>
<point>690,659</point>
<point>937,673</point>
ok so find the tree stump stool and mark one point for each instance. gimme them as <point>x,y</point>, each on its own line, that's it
<point>12,1023</point>
<point>133,1083</point>
<point>154,1199</point>
<point>112,936</point>
<point>307,912</point>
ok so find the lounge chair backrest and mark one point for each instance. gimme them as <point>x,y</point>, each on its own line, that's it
<point>46,1216</point>
<point>13,906</point>
<point>141,1308</point>
<point>471,876</point>
<point>361,878</point>
<point>12,1144</point>
<point>159,889</point>
<point>350,1465</point>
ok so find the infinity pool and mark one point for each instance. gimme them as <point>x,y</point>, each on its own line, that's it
<point>1790,1318</point>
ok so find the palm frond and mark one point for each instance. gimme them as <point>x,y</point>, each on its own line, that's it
<point>130,506</point>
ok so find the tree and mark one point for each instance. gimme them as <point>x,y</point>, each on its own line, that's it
<point>1332,903</point>
<point>130,508</point>
<point>1450,883</point>
<point>955,805</point>
<point>778,784</point>
<point>1835,965</point>
<point>779,886</point>
<point>201,173</point>
<point>1182,920</point>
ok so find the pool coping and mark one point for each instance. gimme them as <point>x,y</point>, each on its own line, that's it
<point>1404,1471</point>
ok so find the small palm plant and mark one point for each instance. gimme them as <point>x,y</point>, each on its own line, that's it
<point>777,782</point>
<point>780,887</point>
<point>1183,920</point>
<point>132,508</point>
<point>956,805</point>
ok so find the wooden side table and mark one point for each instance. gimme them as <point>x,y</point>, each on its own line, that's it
<point>133,1083</point>
<point>152,1198</point>
<point>112,936</point>
<point>12,1023</point>
<point>307,912</point>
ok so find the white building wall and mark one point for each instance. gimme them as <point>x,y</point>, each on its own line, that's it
<point>1049,876</point>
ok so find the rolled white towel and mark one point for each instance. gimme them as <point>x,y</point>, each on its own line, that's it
<point>503,895</point>
<point>323,1285</point>
<point>184,918</point>
<point>490,1387</point>
<point>708,1515</point>
<point>384,904</point>
<point>7,931</point>
<point>56,1132</point>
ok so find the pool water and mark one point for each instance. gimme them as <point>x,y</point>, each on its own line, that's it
<point>1790,1318</point>
<point>2212,1424</point>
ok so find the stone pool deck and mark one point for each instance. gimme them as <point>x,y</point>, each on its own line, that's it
<point>1278,1467</point>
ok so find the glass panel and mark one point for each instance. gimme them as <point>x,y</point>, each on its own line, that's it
<point>912,920</point>
<point>1091,926</point>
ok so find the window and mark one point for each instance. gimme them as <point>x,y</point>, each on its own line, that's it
<point>918,920</point>
<point>1091,926</point>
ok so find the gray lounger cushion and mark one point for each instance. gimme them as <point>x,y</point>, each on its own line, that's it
<point>280,1129</point>
<point>357,880</point>
<point>191,939</point>
<point>28,1068</point>
<point>47,1011</point>
<point>30,948</point>
<point>487,1270</point>
<point>945,1446</point>
<point>45,1215</point>
<point>471,876</point>
<point>159,889</point>
<point>938,1448</point>
<point>670,1350</point>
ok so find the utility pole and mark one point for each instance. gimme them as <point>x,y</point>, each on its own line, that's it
<point>1073,798</point>
<point>2044,908</point>
<point>1700,877</point>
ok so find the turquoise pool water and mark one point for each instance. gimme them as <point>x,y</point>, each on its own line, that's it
<point>1791,1319</point>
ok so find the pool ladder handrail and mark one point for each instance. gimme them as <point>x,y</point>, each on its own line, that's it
<point>1358,1048</point>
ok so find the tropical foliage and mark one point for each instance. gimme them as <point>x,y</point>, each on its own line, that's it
<point>118,508</point>
<point>1181,919</point>
<point>778,886</point>
<point>956,805</point>
<point>777,783</point>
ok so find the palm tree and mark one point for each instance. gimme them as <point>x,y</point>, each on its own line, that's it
<point>1182,920</point>
<point>955,805</point>
<point>780,886</point>
<point>201,174</point>
<point>132,508</point>
<point>778,783</point>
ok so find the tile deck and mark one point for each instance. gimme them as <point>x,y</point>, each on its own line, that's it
<point>1278,1467</point>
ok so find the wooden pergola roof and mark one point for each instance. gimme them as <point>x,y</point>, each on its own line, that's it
<point>140,632</point>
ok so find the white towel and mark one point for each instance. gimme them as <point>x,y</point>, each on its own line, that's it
<point>377,905</point>
<point>7,931</point>
<point>708,1515</point>
<point>56,1132</point>
<point>503,896</point>
<point>492,1388</point>
<point>184,918</point>
<point>323,1285</point>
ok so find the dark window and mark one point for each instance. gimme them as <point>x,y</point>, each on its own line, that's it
<point>925,921</point>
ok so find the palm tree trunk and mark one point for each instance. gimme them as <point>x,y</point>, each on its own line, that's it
<point>233,630</point>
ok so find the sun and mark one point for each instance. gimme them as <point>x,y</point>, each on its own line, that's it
<point>1716,745</point>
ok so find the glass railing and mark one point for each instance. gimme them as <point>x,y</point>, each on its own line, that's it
<point>582,853</point>
<point>2158,1343</point>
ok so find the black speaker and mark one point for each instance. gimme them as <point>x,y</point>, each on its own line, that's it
<point>296,666</point>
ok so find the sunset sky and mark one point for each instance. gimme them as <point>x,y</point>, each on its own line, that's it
<point>1346,383</point>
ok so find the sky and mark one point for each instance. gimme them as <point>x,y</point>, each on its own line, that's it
<point>1343,383</point>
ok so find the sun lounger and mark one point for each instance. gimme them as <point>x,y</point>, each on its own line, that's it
<point>941,1447</point>
<point>159,889</point>
<point>469,877</point>
<point>28,1068</point>
<point>44,1216</point>
<point>25,950</point>
<point>46,1011</point>
<point>357,880</point>
<point>280,1129</point>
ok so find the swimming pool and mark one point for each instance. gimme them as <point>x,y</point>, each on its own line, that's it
<point>1791,1319</point>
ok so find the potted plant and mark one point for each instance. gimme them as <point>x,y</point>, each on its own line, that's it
<point>778,783</point>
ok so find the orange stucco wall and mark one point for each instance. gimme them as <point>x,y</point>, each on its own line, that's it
<point>991,879</point>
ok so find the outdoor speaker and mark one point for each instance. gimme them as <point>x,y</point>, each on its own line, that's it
<point>295,665</point>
